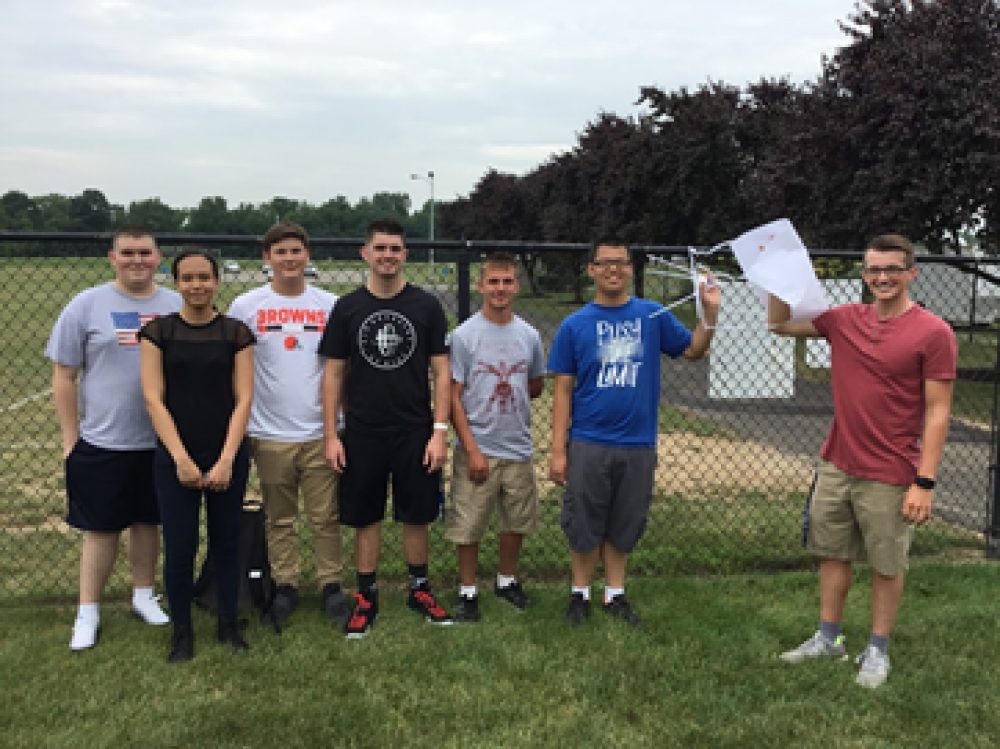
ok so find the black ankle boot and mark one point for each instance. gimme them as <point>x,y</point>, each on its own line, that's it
<point>229,634</point>
<point>181,646</point>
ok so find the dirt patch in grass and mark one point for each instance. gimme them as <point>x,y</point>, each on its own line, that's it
<point>689,464</point>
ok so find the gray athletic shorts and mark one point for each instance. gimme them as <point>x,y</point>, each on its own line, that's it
<point>608,491</point>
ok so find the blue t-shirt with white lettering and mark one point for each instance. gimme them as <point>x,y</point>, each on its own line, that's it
<point>614,354</point>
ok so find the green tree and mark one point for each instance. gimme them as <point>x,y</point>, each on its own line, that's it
<point>155,215</point>
<point>210,217</point>
<point>91,211</point>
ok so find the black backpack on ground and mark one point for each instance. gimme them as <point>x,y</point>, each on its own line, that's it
<point>256,586</point>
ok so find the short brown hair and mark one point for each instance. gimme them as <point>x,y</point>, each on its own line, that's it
<point>282,231</point>
<point>497,260</point>
<point>385,226</point>
<point>893,243</point>
<point>135,231</point>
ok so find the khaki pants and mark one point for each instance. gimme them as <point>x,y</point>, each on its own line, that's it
<point>285,468</point>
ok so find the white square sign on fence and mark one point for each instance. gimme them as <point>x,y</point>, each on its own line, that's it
<point>747,360</point>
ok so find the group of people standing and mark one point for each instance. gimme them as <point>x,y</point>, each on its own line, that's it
<point>336,399</point>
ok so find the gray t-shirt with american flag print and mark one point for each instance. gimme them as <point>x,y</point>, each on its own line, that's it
<point>98,333</point>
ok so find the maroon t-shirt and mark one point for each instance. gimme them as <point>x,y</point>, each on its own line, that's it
<point>878,370</point>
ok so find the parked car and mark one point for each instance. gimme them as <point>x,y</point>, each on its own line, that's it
<point>231,266</point>
<point>311,271</point>
<point>267,271</point>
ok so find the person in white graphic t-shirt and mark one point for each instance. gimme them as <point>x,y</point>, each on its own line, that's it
<point>288,317</point>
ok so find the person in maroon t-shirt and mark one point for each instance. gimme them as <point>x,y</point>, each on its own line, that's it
<point>892,369</point>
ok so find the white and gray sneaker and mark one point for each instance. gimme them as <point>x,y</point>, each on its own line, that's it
<point>85,634</point>
<point>874,667</point>
<point>149,611</point>
<point>816,646</point>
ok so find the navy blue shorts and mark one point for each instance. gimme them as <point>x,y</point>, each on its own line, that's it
<point>372,457</point>
<point>109,490</point>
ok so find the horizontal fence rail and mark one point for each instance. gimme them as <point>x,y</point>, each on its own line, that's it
<point>739,430</point>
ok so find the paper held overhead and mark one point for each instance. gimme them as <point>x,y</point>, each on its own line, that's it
<point>774,260</point>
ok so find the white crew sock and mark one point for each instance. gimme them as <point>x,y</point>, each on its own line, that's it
<point>505,581</point>
<point>89,612</point>
<point>583,590</point>
<point>467,591</point>
<point>141,594</point>
<point>611,593</point>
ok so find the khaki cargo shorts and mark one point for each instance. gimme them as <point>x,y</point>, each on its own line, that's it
<point>510,488</point>
<point>855,519</point>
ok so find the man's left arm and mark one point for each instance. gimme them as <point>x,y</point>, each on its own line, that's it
<point>437,446</point>
<point>937,408</point>
<point>701,336</point>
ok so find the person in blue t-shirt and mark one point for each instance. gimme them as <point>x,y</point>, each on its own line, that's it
<point>605,360</point>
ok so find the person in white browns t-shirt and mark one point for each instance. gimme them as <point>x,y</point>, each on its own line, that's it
<point>288,317</point>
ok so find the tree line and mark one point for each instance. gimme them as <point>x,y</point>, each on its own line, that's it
<point>900,131</point>
<point>90,211</point>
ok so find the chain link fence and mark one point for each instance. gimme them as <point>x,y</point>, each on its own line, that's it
<point>739,430</point>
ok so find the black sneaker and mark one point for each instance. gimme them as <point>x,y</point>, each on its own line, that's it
<point>181,647</point>
<point>514,595</point>
<point>335,604</point>
<point>421,601</point>
<point>467,609</point>
<point>285,601</point>
<point>578,609</point>
<point>362,618</point>
<point>619,606</point>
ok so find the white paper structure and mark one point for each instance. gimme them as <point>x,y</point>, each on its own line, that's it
<point>748,361</point>
<point>774,260</point>
<point>838,291</point>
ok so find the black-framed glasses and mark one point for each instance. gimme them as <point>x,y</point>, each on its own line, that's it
<point>874,271</point>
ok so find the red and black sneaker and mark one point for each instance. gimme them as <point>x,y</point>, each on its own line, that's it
<point>421,601</point>
<point>361,619</point>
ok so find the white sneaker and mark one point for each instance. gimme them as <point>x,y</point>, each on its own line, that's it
<point>85,633</point>
<point>148,609</point>
<point>816,646</point>
<point>874,668</point>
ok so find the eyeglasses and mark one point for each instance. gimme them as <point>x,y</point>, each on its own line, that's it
<point>890,270</point>
<point>609,263</point>
<point>387,247</point>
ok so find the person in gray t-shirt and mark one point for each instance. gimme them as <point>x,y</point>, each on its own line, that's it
<point>497,367</point>
<point>107,437</point>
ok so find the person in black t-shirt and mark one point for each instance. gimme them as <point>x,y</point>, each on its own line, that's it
<point>379,342</point>
<point>197,380</point>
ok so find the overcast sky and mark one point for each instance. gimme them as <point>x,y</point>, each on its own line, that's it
<point>248,99</point>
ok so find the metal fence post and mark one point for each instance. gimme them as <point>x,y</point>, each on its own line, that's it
<point>464,287</point>
<point>993,532</point>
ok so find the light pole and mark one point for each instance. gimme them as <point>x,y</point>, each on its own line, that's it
<point>429,179</point>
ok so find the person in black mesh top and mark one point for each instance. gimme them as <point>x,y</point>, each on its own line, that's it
<point>197,381</point>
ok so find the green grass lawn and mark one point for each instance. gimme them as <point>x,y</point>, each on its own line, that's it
<point>702,672</point>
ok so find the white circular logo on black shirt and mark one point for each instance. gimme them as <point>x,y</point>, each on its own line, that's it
<point>386,339</point>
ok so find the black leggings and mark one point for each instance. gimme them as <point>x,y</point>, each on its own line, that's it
<point>179,511</point>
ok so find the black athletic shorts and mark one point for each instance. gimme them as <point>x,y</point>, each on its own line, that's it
<point>109,490</point>
<point>372,457</point>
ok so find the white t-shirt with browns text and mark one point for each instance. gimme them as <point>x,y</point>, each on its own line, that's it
<point>287,403</point>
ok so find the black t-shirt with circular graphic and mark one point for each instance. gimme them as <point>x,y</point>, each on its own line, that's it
<point>387,344</point>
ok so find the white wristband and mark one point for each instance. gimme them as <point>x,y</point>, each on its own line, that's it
<point>440,425</point>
